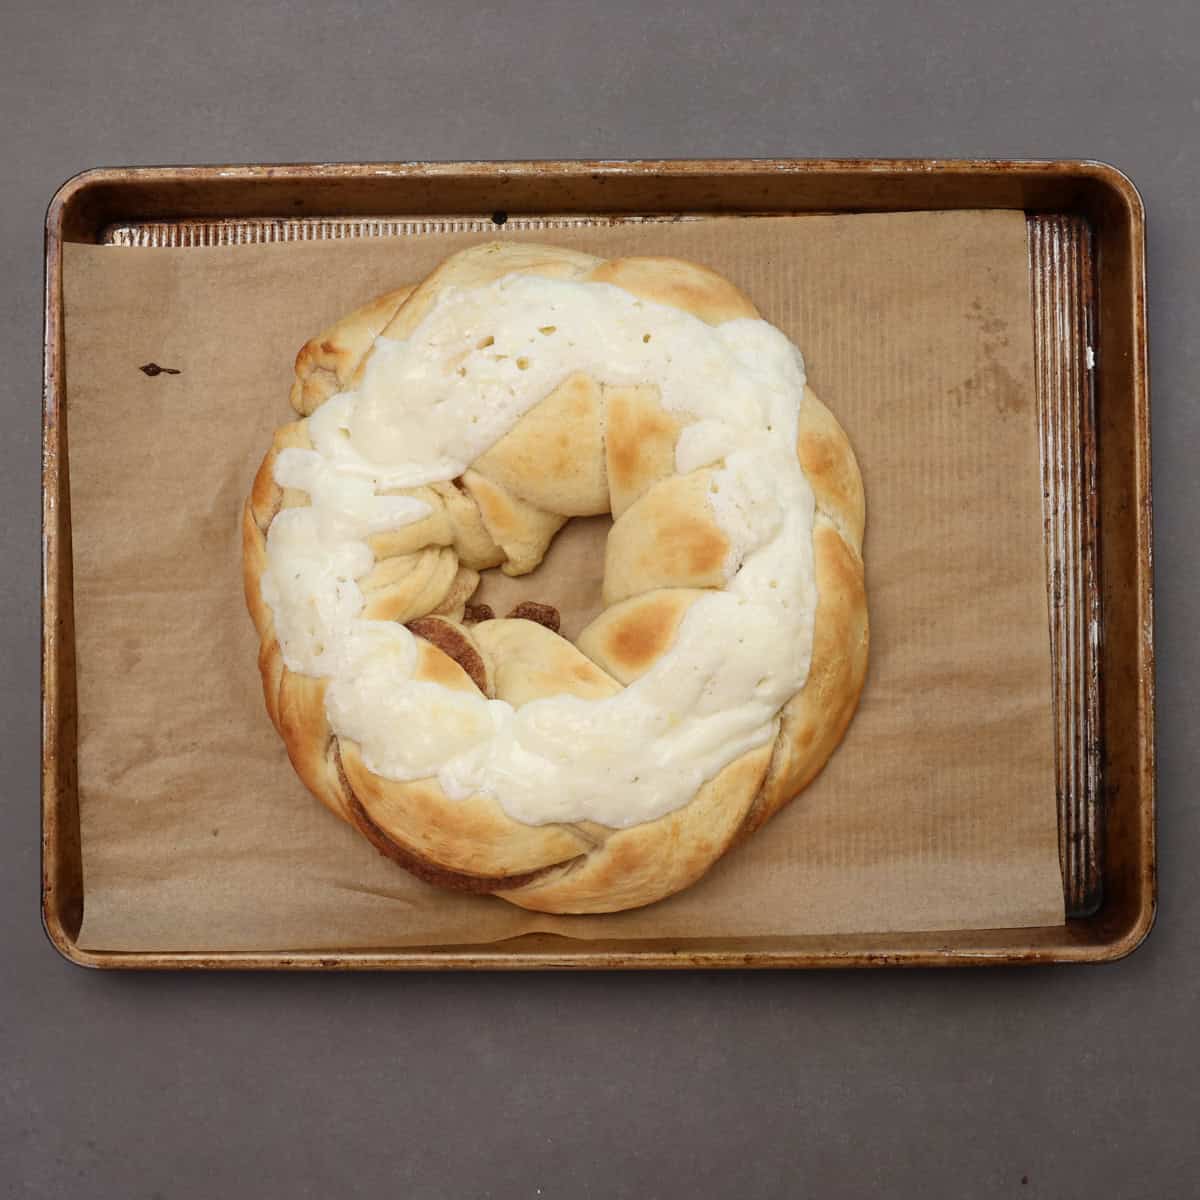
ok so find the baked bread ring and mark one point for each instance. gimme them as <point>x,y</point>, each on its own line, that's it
<point>455,426</point>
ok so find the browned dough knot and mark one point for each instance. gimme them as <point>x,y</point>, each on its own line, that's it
<point>543,614</point>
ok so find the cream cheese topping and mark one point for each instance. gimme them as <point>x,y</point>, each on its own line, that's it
<point>427,407</point>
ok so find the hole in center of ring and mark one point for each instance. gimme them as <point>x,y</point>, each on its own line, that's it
<point>570,577</point>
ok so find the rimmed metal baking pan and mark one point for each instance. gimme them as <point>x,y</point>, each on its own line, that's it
<point>1087,272</point>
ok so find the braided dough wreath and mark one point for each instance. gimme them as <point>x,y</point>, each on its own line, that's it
<point>455,426</point>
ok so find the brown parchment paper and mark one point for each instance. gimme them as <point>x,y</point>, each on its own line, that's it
<point>936,813</point>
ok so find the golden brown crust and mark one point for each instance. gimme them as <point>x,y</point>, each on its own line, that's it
<point>409,585</point>
<point>629,637</point>
<point>309,740</point>
<point>522,531</point>
<point>640,437</point>
<point>551,458</point>
<point>813,722</point>
<point>417,864</point>
<point>266,496</point>
<point>270,667</point>
<point>679,283</point>
<point>457,837</point>
<point>327,364</point>
<point>531,662</point>
<point>483,265</point>
<point>543,614</point>
<point>825,454</point>
<point>455,643</point>
<point>646,862</point>
<point>586,449</point>
<point>669,537</point>
<point>254,562</point>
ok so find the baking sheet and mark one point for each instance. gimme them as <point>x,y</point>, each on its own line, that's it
<point>937,813</point>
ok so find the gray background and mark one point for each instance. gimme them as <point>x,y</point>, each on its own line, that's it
<point>1055,1082</point>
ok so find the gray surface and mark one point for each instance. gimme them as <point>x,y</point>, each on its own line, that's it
<point>1078,1081</point>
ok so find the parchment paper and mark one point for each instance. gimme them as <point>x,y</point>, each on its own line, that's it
<point>936,813</point>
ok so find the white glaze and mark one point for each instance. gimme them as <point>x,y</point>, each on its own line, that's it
<point>427,408</point>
